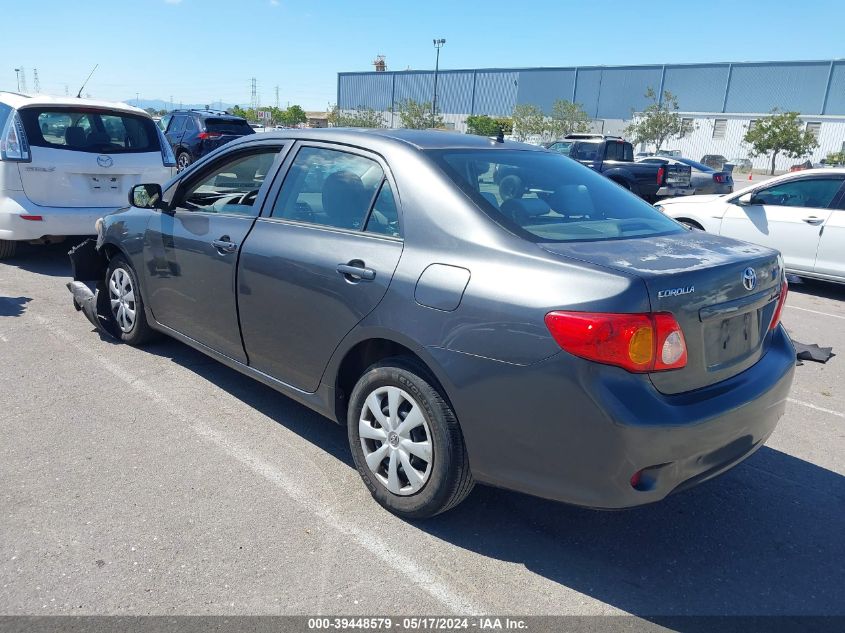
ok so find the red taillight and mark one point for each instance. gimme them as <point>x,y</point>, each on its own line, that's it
<point>779,306</point>
<point>205,135</point>
<point>660,172</point>
<point>32,218</point>
<point>636,342</point>
<point>720,178</point>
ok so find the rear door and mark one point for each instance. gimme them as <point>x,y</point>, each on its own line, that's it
<point>788,216</point>
<point>175,130</point>
<point>318,261</point>
<point>88,157</point>
<point>830,259</point>
<point>191,251</point>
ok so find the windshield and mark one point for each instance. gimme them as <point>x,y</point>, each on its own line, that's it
<point>547,197</point>
<point>89,130</point>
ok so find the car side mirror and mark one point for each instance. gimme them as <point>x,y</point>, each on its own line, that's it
<point>146,196</point>
<point>745,198</point>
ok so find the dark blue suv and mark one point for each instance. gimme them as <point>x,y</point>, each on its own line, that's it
<point>194,133</point>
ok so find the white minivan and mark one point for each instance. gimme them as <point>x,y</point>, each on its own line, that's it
<point>66,162</point>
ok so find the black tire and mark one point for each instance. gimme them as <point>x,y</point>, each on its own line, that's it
<point>183,159</point>
<point>139,332</point>
<point>449,479</point>
<point>7,248</point>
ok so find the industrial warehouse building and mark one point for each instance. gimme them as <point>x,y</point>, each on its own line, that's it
<point>721,99</point>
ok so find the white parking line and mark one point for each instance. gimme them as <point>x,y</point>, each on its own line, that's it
<point>363,536</point>
<point>812,406</point>
<point>835,316</point>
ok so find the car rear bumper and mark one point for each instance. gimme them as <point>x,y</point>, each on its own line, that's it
<point>55,221</point>
<point>674,192</point>
<point>574,431</point>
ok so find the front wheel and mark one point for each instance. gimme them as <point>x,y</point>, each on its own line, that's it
<point>406,441</point>
<point>125,303</point>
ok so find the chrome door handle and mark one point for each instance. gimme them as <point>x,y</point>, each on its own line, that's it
<point>354,272</point>
<point>223,245</point>
<point>813,220</point>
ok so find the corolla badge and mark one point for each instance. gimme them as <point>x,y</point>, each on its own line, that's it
<point>675,292</point>
<point>749,278</point>
<point>104,161</point>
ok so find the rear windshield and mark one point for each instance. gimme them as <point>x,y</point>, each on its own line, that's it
<point>695,164</point>
<point>547,197</point>
<point>228,126</point>
<point>89,130</point>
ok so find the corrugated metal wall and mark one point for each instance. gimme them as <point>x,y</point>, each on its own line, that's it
<point>610,92</point>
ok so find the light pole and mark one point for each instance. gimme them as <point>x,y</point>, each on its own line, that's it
<point>18,75</point>
<point>438,44</point>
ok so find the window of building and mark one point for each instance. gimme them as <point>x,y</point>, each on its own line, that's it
<point>719,128</point>
<point>814,128</point>
<point>752,124</point>
<point>687,126</point>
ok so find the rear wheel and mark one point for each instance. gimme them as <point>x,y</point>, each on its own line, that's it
<point>7,248</point>
<point>406,441</point>
<point>692,224</point>
<point>183,159</point>
<point>125,303</point>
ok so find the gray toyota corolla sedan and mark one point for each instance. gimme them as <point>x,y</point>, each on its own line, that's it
<point>560,337</point>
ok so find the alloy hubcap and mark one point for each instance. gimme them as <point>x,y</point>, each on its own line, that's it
<point>396,440</point>
<point>122,299</point>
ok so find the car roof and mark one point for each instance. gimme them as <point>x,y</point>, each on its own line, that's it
<point>209,114</point>
<point>419,139</point>
<point>18,100</point>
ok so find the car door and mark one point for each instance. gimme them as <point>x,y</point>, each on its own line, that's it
<point>789,216</point>
<point>319,259</point>
<point>175,130</point>
<point>191,250</point>
<point>830,259</point>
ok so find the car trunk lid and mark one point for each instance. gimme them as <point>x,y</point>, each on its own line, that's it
<point>705,281</point>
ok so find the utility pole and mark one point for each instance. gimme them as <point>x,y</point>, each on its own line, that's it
<point>171,102</point>
<point>277,97</point>
<point>438,44</point>
<point>137,99</point>
<point>18,77</point>
<point>35,79</point>
<point>23,80</point>
<point>66,92</point>
<point>253,97</point>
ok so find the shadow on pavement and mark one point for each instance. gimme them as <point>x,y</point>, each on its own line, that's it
<point>50,260</point>
<point>817,288</point>
<point>13,306</point>
<point>765,538</point>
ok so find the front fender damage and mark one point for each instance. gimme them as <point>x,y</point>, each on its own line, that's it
<point>89,267</point>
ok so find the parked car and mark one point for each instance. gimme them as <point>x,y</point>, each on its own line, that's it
<point>801,214</point>
<point>741,164</point>
<point>714,161</point>
<point>65,162</point>
<point>802,166</point>
<point>614,157</point>
<point>669,153</point>
<point>571,342</point>
<point>194,133</point>
<point>703,179</point>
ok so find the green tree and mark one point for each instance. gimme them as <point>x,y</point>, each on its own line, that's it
<point>835,158</point>
<point>418,116</point>
<point>780,133</point>
<point>659,121</point>
<point>567,118</point>
<point>294,115</point>
<point>360,117</point>
<point>528,120</point>
<point>483,125</point>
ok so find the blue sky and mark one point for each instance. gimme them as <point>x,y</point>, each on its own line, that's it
<point>200,51</point>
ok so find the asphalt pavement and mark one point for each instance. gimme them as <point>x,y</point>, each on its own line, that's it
<point>157,481</point>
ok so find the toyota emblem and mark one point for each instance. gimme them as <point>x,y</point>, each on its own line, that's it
<point>749,278</point>
<point>104,161</point>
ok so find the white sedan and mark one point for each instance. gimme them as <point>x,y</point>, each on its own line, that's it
<point>802,214</point>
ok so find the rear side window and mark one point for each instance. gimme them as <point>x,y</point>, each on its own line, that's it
<point>190,125</point>
<point>5,111</point>
<point>547,198</point>
<point>619,151</point>
<point>332,188</point>
<point>177,125</point>
<point>89,130</point>
<point>228,126</point>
